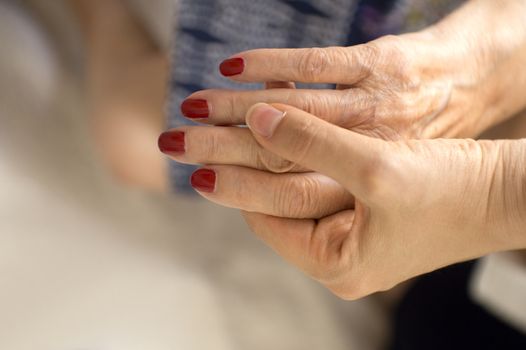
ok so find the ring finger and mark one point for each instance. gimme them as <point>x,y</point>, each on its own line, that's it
<point>306,195</point>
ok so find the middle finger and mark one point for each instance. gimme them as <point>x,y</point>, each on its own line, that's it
<point>221,145</point>
<point>229,107</point>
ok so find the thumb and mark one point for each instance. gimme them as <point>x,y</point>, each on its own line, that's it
<point>315,144</point>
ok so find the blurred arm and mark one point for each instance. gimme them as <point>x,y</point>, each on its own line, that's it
<point>126,84</point>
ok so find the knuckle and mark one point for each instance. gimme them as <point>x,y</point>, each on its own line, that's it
<point>320,106</point>
<point>366,59</point>
<point>395,60</point>
<point>313,62</point>
<point>342,273</point>
<point>386,46</point>
<point>359,109</point>
<point>326,263</point>
<point>296,198</point>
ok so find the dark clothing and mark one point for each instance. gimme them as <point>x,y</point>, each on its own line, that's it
<point>437,314</point>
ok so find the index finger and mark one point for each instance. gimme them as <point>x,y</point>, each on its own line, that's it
<point>342,65</point>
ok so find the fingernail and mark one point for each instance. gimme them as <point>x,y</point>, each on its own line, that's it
<point>195,108</point>
<point>263,119</point>
<point>204,180</point>
<point>171,142</point>
<point>232,66</point>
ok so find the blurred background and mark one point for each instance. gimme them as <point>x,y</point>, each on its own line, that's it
<point>87,262</point>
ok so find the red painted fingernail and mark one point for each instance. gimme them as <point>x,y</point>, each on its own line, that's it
<point>204,180</point>
<point>195,109</point>
<point>232,66</point>
<point>171,142</point>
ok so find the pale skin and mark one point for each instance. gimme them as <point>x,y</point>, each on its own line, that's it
<point>419,106</point>
<point>419,85</point>
<point>364,209</point>
<point>126,74</point>
<point>419,204</point>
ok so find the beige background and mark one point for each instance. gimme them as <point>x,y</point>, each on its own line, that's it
<point>86,264</point>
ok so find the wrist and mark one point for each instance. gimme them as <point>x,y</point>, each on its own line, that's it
<point>507,194</point>
<point>486,42</point>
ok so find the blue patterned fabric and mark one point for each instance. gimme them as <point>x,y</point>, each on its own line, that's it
<point>211,30</point>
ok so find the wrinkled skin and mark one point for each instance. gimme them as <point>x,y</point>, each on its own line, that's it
<point>418,205</point>
<point>455,79</point>
<point>345,189</point>
<point>382,91</point>
<point>386,88</point>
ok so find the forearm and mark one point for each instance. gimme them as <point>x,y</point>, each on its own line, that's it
<point>125,81</point>
<point>503,90</point>
<point>488,38</point>
<point>487,24</point>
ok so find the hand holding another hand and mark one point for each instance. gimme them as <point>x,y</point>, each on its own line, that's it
<point>339,183</point>
<point>453,79</point>
<point>419,205</point>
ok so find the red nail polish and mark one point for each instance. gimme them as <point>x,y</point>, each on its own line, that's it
<point>204,180</point>
<point>232,66</point>
<point>171,142</point>
<point>195,109</point>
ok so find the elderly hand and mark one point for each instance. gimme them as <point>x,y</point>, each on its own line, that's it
<point>358,213</point>
<point>394,87</point>
<point>419,205</point>
<point>454,79</point>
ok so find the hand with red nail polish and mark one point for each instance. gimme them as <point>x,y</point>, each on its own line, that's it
<point>363,210</point>
<point>412,206</point>
<point>397,87</point>
<point>449,80</point>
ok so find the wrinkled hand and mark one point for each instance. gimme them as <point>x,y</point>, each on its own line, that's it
<point>456,78</point>
<point>413,206</point>
<point>363,210</point>
<point>396,87</point>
